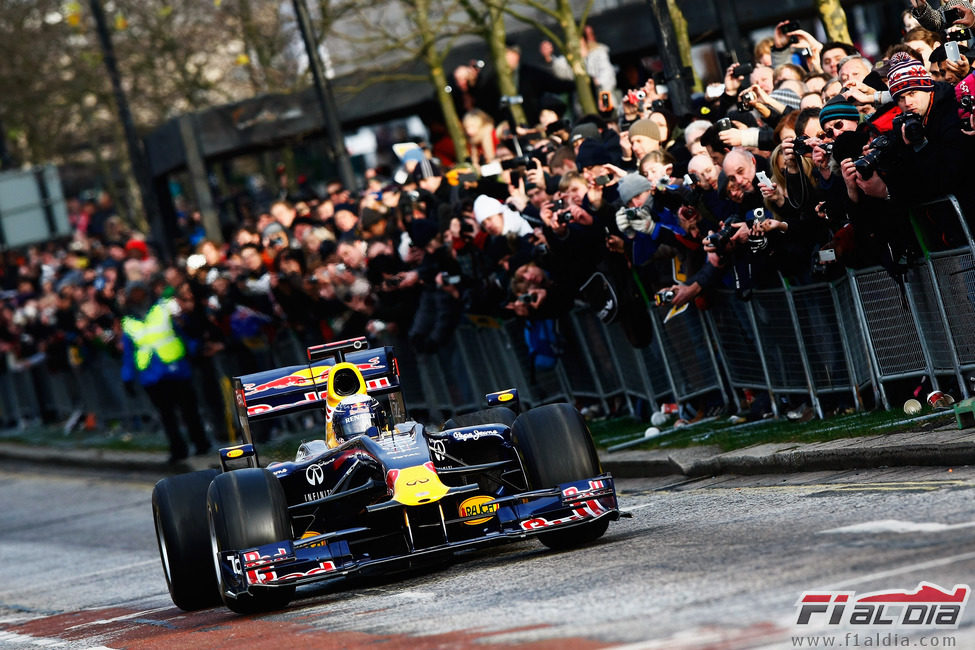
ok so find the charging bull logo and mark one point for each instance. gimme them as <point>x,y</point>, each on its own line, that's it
<point>304,377</point>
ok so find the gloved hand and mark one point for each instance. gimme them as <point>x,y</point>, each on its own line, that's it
<point>633,220</point>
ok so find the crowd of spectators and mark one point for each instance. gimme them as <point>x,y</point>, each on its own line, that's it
<point>796,165</point>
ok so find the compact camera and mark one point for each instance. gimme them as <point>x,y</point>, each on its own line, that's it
<point>664,297</point>
<point>745,100</point>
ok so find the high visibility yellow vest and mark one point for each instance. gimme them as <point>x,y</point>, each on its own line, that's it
<point>154,335</point>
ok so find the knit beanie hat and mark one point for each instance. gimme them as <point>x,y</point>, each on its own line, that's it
<point>592,153</point>
<point>645,127</point>
<point>907,73</point>
<point>633,184</point>
<point>838,109</point>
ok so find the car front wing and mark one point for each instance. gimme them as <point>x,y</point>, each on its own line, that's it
<point>329,555</point>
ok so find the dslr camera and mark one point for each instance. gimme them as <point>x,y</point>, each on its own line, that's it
<point>800,147</point>
<point>719,240</point>
<point>913,129</point>
<point>875,158</point>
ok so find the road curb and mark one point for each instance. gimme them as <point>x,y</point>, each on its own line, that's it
<point>692,463</point>
<point>122,461</point>
<point>795,460</point>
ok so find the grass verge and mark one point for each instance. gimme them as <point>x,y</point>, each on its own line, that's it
<point>606,433</point>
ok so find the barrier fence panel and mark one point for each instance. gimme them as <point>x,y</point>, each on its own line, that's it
<point>776,334</point>
<point>657,365</point>
<point>825,324</point>
<point>809,340</point>
<point>956,283</point>
<point>926,302</point>
<point>576,362</point>
<point>690,355</point>
<point>891,331</point>
<point>545,386</point>
<point>855,351</point>
<point>594,349</point>
<point>635,377</point>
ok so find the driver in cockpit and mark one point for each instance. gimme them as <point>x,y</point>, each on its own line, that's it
<point>357,415</point>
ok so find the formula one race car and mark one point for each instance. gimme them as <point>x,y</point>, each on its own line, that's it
<point>377,491</point>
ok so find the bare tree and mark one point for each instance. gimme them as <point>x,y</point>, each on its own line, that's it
<point>488,19</point>
<point>400,33</point>
<point>834,20</point>
<point>566,39</point>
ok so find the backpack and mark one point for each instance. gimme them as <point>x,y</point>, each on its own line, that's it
<point>545,343</point>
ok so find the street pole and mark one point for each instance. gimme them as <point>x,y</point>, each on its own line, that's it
<point>134,145</point>
<point>6,160</point>
<point>728,19</point>
<point>326,98</point>
<point>663,28</point>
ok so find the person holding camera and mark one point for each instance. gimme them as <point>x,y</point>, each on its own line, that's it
<point>952,12</point>
<point>789,39</point>
<point>441,302</point>
<point>646,227</point>
<point>931,149</point>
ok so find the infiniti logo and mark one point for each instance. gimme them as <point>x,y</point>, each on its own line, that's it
<point>315,474</point>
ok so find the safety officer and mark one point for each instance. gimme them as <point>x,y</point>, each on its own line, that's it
<point>154,353</point>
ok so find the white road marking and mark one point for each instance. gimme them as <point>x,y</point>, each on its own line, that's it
<point>114,569</point>
<point>26,639</point>
<point>639,507</point>
<point>897,526</point>
<point>908,568</point>
<point>106,621</point>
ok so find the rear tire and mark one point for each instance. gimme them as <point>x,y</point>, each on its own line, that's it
<point>248,508</point>
<point>494,415</point>
<point>556,447</point>
<point>179,511</point>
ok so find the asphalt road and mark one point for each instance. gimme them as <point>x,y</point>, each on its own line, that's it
<point>715,563</point>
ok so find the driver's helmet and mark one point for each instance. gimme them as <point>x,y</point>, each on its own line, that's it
<point>355,414</point>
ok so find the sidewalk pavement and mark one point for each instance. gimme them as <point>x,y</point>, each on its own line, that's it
<point>946,446</point>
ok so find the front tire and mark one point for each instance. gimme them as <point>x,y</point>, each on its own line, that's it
<point>556,447</point>
<point>248,508</point>
<point>179,511</point>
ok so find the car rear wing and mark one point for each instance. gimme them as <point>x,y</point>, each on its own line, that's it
<point>277,392</point>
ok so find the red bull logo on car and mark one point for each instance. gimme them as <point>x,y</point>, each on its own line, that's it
<point>312,396</point>
<point>304,377</point>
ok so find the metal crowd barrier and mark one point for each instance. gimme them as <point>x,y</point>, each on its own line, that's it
<point>858,333</point>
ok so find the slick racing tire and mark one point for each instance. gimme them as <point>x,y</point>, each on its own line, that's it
<point>556,447</point>
<point>248,508</point>
<point>179,510</point>
<point>493,415</point>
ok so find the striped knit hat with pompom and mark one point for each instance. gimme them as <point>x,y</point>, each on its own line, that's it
<point>907,73</point>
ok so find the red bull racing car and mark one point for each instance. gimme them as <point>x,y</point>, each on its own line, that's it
<point>376,491</point>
